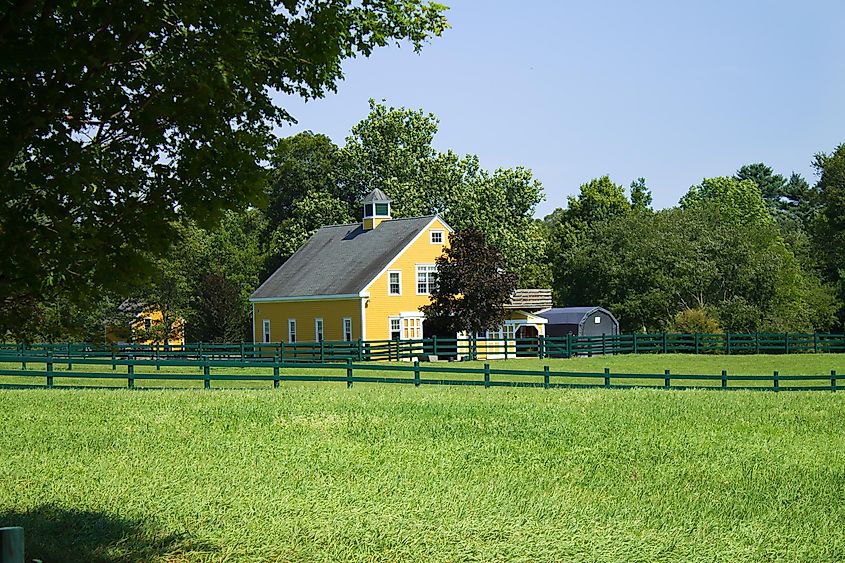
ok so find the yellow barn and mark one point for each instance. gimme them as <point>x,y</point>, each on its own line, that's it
<point>359,281</point>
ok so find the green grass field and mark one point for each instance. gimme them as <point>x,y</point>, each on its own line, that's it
<point>397,473</point>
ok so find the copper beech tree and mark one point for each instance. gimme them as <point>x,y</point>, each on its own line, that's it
<point>471,287</point>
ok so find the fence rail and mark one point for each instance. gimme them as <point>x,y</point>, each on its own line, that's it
<point>452,348</point>
<point>349,372</point>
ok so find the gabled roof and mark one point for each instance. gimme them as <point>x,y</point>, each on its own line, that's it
<point>376,195</point>
<point>341,259</point>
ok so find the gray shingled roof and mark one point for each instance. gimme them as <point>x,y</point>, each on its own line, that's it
<point>376,195</point>
<point>341,259</point>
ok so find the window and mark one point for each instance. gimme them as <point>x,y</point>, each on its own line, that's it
<point>291,330</point>
<point>347,329</point>
<point>318,330</point>
<point>436,237</point>
<point>395,329</point>
<point>412,328</point>
<point>597,320</point>
<point>265,331</point>
<point>382,209</point>
<point>368,210</point>
<point>394,283</point>
<point>148,323</point>
<point>425,278</point>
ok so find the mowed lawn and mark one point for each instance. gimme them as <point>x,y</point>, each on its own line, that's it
<point>397,473</point>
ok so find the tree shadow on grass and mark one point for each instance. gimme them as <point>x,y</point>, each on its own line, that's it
<point>58,535</point>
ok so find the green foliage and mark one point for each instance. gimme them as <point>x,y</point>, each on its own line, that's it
<point>829,228</point>
<point>691,321</point>
<point>648,267</point>
<point>737,201</point>
<point>640,196</point>
<point>117,123</point>
<point>787,200</point>
<point>471,287</point>
<point>391,149</point>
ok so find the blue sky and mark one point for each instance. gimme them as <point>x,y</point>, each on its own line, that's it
<point>671,91</point>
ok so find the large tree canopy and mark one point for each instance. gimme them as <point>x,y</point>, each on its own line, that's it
<point>119,118</point>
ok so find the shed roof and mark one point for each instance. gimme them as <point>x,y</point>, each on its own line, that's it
<point>341,259</point>
<point>570,315</point>
<point>530,299</point>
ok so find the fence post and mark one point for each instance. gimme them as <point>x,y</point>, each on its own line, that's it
<point>541,346</point>
<point>833,380</point>
<point>486,376</point>
<point>697,343</point>
<point>416,373</point>
<point>206,372</point>
<point>22,350</point>
<point>49,368</point>
<point>756,342</point>
<point>667,381</point>
<point>158,366</point>
<point>786,342</point>
<point>69,363</point>
<point>545,377</point>
<point>199,353</point>
<point>130,374</point>
<point>360,349</point>
<point>349,373</point>
<point>728,343</point>
<point>665,349</point>
<point>322,352</point>
<point>113,364</point>
<point>607,377</point>
<point>568,344</point>
<point>815,342</point>
<point>636,350</point>
<point>505,342</point>
<point>724,379</point>
<point>276,372</point>
<point>434,345</point>
<point>776,381</point>
<point>11,545</point>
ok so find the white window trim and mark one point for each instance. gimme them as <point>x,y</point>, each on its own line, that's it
<point>417,278</point>
<point>390,327</point>
<point>343,328</point>
<point>265,331</point>
<point>317,336</point>
<point>431,236</point>
<point>400,281</point>
<point>292,333</point>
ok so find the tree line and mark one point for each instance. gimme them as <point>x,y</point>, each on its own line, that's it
<point>753,251</point>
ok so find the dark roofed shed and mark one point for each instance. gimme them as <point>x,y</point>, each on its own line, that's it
<point>580,321</point>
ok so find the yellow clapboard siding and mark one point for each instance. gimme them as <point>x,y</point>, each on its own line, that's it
<point>381,305</point>
<point>332,311</point>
